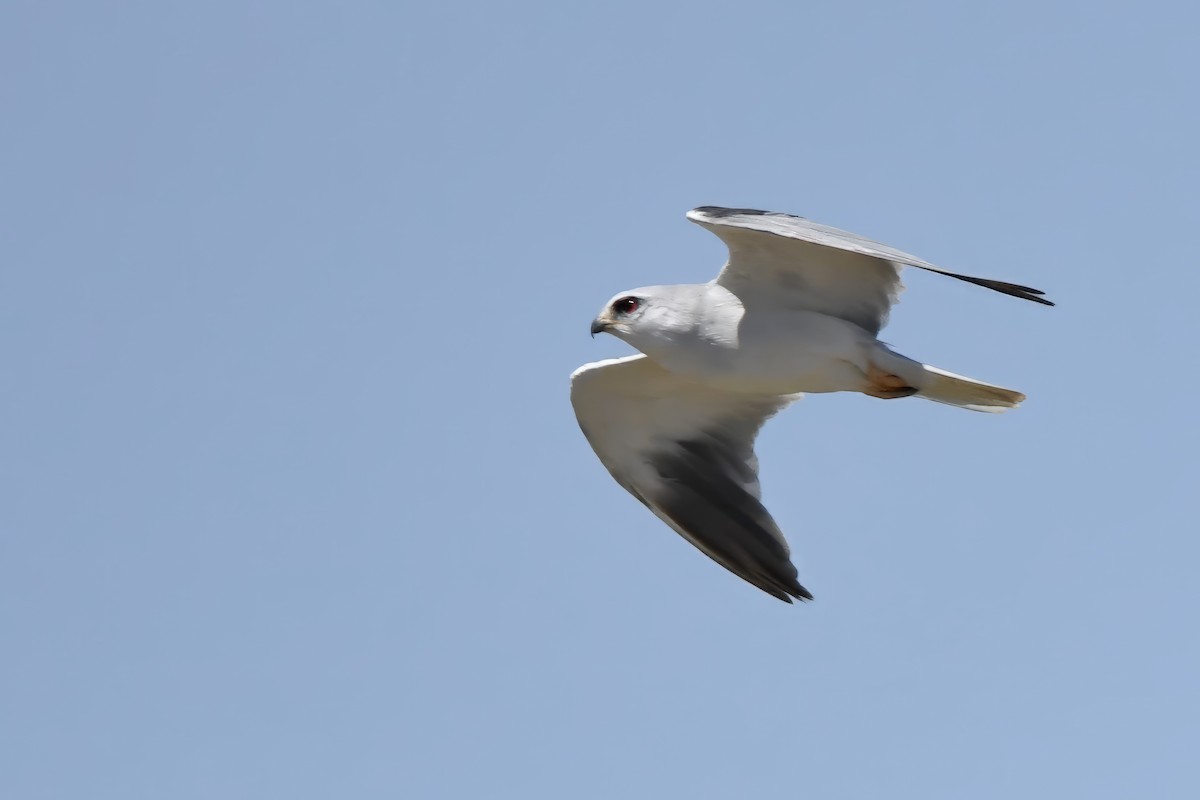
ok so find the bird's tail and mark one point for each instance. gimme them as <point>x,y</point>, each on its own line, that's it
<point>956,390</point>
<point>945,387</point>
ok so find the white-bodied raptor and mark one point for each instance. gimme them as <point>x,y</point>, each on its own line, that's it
<point>797,308</point>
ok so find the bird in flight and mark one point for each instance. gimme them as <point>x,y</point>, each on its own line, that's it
<point>797,308</point>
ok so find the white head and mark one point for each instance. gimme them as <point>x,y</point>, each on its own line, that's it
<point>653,316</point>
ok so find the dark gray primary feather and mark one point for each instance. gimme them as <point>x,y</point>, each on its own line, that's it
<point>702,492</point>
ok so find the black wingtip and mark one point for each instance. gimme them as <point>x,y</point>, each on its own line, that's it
<point>786,592</point>
<point>721,211</point>
<point>1011,289</point>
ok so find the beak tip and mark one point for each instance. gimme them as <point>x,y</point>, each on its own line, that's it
<point>598,327</point>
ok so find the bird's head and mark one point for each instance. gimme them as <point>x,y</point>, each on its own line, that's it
<point>622,313</point>
<point>651,316</point>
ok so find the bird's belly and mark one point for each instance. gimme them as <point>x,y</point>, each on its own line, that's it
<point>790,374</point>
<point>785,353</point>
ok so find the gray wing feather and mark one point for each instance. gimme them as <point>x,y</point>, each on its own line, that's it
<point>809,265</point>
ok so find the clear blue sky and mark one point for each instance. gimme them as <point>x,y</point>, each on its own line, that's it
<point>293,501</point>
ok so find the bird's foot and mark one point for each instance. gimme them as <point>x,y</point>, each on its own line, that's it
<point>885,385</point>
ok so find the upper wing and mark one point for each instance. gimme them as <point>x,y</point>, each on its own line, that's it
<point>781,259</point>
<point>687,452</point>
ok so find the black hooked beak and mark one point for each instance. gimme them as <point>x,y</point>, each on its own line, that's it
<point>598,326</point>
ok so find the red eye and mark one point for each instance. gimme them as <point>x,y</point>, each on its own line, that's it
<point>626,305</point>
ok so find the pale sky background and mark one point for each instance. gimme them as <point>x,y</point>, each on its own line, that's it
<point>294,504</point>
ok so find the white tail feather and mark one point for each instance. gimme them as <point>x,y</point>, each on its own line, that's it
<point>957,390</point>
